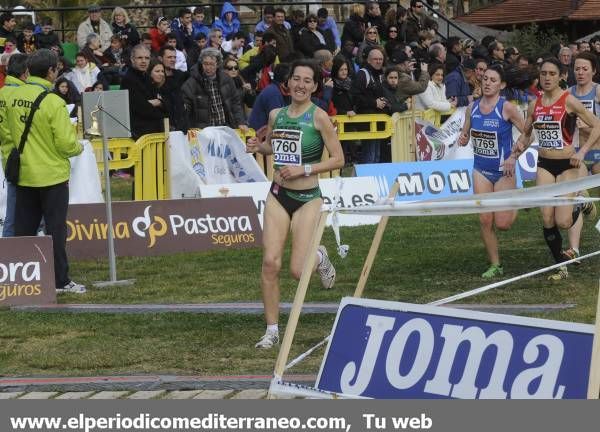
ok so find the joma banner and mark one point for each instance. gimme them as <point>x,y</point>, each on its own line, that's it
<point>26,271</point>
<point>144,228</point>
<point>389,350</point>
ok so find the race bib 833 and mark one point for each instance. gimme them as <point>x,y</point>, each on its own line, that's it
<point>549,134</point>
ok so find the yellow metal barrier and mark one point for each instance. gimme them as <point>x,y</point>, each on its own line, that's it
<point>148,154</point>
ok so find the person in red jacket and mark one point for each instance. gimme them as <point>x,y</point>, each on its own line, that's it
<point>159,33</point>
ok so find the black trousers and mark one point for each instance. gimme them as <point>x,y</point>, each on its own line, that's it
<point>51,203</point>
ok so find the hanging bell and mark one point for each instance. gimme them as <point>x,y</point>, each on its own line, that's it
<point>94,129</point>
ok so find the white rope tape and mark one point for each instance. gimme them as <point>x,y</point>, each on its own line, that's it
<point>508,281</point>
<point>301,357</point>
<point>460,296</point>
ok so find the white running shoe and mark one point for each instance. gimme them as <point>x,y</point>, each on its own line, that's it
<point>326,269</point>
<point>72,287</point>
<point>268,340</point>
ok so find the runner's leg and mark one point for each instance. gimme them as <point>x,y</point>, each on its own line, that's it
<point>304,222</point>
<point>276,227</point>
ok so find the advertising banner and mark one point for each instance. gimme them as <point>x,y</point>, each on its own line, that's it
<point>354,192</point>
<point>390,350</point>
<point>422,180</point>
<point>150,228</point>
<point>26,271</point>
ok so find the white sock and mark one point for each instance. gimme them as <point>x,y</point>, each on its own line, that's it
<point>273,328</point>
<point>576,250</point>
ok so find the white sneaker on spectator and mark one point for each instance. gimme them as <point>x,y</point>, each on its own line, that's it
<point>326,269</point>
<point>72,287</point>
<point>268,340</point>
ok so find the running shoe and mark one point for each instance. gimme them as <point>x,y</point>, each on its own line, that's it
<point>326,269</point>
<point>561,274</point>
<point>570,254</point>
<point>72,287</point>
<point>268,340</point>
<point>495,270</point>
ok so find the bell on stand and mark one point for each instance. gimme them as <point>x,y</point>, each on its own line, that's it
<point>94,128</point>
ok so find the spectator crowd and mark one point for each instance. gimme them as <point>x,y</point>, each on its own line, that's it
<point>382,60</point>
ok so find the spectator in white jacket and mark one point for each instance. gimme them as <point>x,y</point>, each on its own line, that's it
<point>434,97</point>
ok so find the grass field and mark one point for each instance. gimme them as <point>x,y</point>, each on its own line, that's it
<point>420,260</point>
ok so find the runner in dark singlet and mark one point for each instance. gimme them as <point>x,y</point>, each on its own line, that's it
<point>553,117</point>
<point>296,136</point>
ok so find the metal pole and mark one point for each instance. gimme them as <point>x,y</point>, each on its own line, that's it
<point>111,242</point>
<point>112,265</point>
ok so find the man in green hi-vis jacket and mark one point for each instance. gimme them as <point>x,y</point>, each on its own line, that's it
<point>43,186</point>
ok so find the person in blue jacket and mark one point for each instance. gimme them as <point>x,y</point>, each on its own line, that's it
<point>229,23</point>
<point>328,23</point>
<point>456,82</point>
<point>275,95</point>
<point>198,22</point>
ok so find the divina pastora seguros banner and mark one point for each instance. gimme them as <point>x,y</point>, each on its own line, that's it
<point>26,271</point>
<point>150,228</point>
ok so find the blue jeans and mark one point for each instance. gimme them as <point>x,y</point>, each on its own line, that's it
<point>371,151</point>
<point>9,220</point>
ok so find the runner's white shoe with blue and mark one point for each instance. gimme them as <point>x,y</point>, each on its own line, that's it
<point>268,340</point>
<point>326,269</point>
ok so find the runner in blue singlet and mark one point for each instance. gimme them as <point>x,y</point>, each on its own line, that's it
<point>588,92</point>
<point>488,126</point>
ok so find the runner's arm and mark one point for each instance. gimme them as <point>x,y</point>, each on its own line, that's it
<point>512,114</point>
<point>254,145</point>
<point>525,138</point>
<point>576,107</point>
<point>463,138</point>
<point>332,144</point>
<point>588,118</point>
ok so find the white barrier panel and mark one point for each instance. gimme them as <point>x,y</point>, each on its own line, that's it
<point>216,156</point>
<point>184,182</point>
<point>355,192</point>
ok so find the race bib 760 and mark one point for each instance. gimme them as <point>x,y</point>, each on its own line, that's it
<point>287,147</point>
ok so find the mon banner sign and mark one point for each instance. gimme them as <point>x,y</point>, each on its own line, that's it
<point>423,180</point>
<point>26,271</point>
<point>390,350</point>
<point>144,228</point>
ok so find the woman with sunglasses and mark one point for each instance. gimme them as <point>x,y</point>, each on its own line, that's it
<point>231,68</point>
<point>554,119</point>
<point>488,126</point>
<point>296,136</point>
<point>312,39</point>
<point>370,40</point>
<point>393,42</point>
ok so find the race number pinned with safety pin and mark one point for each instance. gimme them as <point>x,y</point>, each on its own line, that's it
<point>549,134</point>
<point>485,143</point>
<point>287,147</point>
